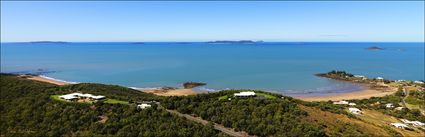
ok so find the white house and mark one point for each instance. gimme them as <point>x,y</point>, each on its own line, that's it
<point>399,108</point>
<point>400,80</point>
<point>418,123</point>
<point>342,102</point>
<point>143,106</point>
<point>415,123</point>
<point>68,97</point>
<point>379,78</point>
<point>79,95</point>
<point>389,105</point>
<point>399,125</point>
<point>352,104</point>
<point>355,110</point>
<point>245,94</point>
<point>418,82</point>
<point>361,76</point>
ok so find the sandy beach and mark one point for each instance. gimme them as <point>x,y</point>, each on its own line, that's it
<point>172,92</point>
<point>45,79</point>
<point>363,94</point>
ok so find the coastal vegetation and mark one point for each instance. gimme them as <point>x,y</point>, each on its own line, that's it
<point>278,116</point>
<point>262,117</point>
<point>33,108</point>
<point>28,109</point>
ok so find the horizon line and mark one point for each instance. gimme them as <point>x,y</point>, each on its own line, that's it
<point>203,41</point>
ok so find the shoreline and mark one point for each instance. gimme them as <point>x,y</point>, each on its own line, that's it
<point>46,79</point>
<point>361,94</point>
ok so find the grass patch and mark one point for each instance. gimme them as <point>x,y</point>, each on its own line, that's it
<point>266,95</point>
<point>114,101</point>
<point>56,97</point>
<point>414,102</point>
<point>222,97</point>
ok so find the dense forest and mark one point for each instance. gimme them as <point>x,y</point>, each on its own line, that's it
<point>27,110</point>
<point>279,116</point>
<point>262,117</point>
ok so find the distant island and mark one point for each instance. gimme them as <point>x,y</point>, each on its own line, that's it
<point>48,42</point>
<point>234,42</point>
<point>375,48</point>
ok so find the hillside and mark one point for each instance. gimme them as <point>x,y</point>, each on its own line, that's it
<point>28,110</point>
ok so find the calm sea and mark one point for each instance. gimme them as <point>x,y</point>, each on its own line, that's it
<point>287,68</point>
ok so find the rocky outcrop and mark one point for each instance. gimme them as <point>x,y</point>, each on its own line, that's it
<point>188,85</point>
<point>375,48</point>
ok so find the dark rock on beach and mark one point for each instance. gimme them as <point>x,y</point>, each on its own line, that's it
<point>188,85</point>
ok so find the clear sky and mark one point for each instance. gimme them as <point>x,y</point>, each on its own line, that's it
<point>203,21</point>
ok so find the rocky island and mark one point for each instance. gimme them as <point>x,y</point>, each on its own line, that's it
<point>234,42</point>
<point>375,48</point>
<point>48,42</point>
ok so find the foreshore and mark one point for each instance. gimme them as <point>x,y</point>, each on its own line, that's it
<point>362,94</point>
<point>47,80</point>
<point>160,92</point>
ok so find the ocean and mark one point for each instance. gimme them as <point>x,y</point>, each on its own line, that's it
<point>282,67</point>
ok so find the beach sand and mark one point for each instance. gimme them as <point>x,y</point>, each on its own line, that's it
<point>173,92</point>
<point>42,79</point>
<point>363,94</point>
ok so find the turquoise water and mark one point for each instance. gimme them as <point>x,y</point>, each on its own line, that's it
<point>281,67</point>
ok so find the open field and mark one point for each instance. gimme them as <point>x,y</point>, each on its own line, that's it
<point>114,101</point>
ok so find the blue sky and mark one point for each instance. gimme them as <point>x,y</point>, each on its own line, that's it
<point>203,21</point>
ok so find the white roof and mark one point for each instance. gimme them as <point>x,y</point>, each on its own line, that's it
<point>359,76</point>
<point>98,97</point>
<point>342,102</point>
<point>379,78</point>
<point>143,106</point>
<point>417,123</point>
<point>67,97</point>
<point>245,94</point>
<point>419,82</point>
<point>354,109</point>
<point>352,104</point>
<point>76,95</point>
<point>399,125</point>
